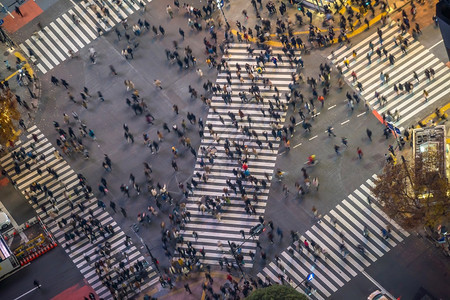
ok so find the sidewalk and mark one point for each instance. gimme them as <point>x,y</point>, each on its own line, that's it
<point>195,282</point>
<point>13,67</point>
<point>423,17</point>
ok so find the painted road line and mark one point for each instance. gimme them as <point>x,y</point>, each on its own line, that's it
<point>435,44</point>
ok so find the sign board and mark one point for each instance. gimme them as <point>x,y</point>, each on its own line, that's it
<point>220,3</point>
<point>392,127</point>
<point>310,276</point>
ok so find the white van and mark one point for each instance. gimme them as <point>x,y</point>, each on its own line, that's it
<point>4,220</point>
<point>378,295</point>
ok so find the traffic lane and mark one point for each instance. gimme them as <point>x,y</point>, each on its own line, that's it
<point>15,203</point>
<point>53,270</point>
<point>338,175</point>
<point>359,287</point>
<point>413,264</point>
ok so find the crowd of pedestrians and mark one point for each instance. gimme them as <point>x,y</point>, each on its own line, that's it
<point>306,96</point>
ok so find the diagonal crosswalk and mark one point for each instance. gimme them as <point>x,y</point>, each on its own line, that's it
<point>63,187</point>
<point>233,216</point>
<point>342,225</point>
<point>416,59</point>
<point>51,45</point>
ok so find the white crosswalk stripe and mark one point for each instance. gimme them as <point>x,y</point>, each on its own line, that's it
<point>55,40</point>
<point>234,218</point>
<point>67,181</point>
<point>417,59</point>
<point>342,225</point>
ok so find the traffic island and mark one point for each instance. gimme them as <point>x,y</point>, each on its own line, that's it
<point>28,242</point>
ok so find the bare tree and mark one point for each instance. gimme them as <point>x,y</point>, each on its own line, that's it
<point>8,113</point>
<point>415,194</point>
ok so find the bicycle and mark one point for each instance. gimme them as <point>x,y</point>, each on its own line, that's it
<point>279,175</point>
<point>311,164</point>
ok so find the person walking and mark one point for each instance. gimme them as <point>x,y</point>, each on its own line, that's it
<point>336,149</point>
<point>369,134</point>
<point>112,204</point>
<point>17,10</point>
<point>35,282</point>
<point>169,11</point>
<point>123,211</point>
<point>425,95</point>
<point>360,153</point>
<point>187,288</point>
<point>161,29</point>
<point>157,83</point>
<point>330,131</point>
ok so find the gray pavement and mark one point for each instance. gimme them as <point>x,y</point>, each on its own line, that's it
<point>414,269</point>
<point>55,272</point>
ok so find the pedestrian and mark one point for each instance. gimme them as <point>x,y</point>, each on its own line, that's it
<point>157,83</point>
<point>112,204</point>
<point>161,29</point>
<point>35,282</point>
<point>425,95</point>
<point>54,80</point>
<point>280,233</point>
<point>187,288</point>
<point>65,83</point>
<point>169,12</point>
<point>360,153</point>
<point>181,32</point>
<point>17,10</point>
<point>369,134</point>
<point>123,211</point>
<point>336,149</point>
<point>330,131</point>
<point>306,244</point>
<point>112,69</point>
<point>174,165</point>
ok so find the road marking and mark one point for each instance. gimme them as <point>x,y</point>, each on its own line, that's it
<point>313,137</point>
<point>331,107</point>
<point>435,44</point>
<point>26,293</point>
<point>377,284</point>
<point>345,122</point>
<point>361,114</point>
<point>297,146</point>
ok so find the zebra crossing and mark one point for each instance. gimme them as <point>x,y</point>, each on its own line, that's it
<point>52,44</point>
<point>64,185</point>
<point>344,224</point>
<point>418,58</point>
<point>234,218</point>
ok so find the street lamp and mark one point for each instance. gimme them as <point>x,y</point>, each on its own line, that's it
<point>254,231</point>
<point>135,230</point>
<point>220,5</point>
